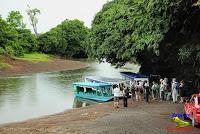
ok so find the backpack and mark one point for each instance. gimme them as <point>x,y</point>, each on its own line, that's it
<point>126,92</point>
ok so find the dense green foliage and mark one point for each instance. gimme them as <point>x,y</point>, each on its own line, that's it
<point>161,35</point>
<point>67,39</point>
<point>125,28</point>
<point>15,39</point>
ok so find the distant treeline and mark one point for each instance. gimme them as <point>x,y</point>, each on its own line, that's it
<point>67,39</point>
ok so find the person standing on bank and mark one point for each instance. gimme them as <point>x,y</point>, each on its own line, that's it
<point>137,92</point>
<point>141,89</point>
<point>125,96</point>
<point>174,90</point>
<point>116,92</point>
<point>146,92</point>
<point>132,87</point>
<point>161,90</point>
<point>154,90</point>
<point>182,91</point>
<point>167,92</point>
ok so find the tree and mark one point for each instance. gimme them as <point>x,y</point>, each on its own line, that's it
<point>67,39</point>
<point>32,13</point>
<point>15,19</point>
<point>160,35</point>
<point>15,39</point>
<point>27,41</point>
<point>9,39</point>
<point>125,28</point>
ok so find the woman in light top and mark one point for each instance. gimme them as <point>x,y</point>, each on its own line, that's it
<point>116,92</point>
<point>174,90</point>
<point>161,89</point>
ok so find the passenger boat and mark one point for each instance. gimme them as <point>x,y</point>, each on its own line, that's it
<point>93,91</point>
<point>135,76</point>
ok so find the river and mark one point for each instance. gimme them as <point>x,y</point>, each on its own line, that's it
<point>30,96</point>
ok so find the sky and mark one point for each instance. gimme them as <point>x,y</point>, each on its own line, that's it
<point>53,12</point>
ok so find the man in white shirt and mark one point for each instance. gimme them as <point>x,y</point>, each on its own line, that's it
<point>116,92</point>
<point>174,90</point>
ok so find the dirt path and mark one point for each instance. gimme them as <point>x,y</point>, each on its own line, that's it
<point>25,67</point>
<point>138,118</point>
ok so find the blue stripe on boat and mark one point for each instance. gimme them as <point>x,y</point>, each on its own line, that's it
<point>96,98</point>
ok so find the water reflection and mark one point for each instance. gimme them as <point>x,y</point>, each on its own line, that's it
<point>80,102</point>
<point>25,97</point>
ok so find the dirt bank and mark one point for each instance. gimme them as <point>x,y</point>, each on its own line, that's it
<point>138,118</point>
<point>26,67</point>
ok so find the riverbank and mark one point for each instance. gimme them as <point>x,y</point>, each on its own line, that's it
<point>103,118</point>
<point>21,67</point>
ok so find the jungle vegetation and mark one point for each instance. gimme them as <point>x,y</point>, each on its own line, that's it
<point>163,36</point>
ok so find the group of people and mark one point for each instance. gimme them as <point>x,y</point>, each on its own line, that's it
<point>121,90</point>
<point>141,90</point>
<point>174,91</point>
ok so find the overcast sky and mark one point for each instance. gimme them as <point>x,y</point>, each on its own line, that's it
<point>54,12</point>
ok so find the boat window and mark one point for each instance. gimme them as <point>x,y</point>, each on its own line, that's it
<point>109,91</point>
<point>88,89</point>
<point>80,89</point>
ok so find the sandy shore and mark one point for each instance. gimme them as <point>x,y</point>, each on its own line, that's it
<point>25,67</point>
<point>138,118</point>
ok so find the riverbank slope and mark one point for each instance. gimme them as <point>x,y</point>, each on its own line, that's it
<point>103,118</point>
<point>18,66</point>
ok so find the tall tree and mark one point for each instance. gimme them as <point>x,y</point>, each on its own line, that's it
<point>161,35</point>
<point>67,39</point>
<point>15,39</point>
<point>15,19</point>
<point>32,13</point>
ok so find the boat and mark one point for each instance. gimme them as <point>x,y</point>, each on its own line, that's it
<point>100,79</point>
<point>93,91</point>
<point>135,77</point>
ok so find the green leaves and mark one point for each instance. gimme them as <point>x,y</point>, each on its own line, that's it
<point>14,38</point>
<point>128,27</point>
<point>15,19</point>
<point>67,39</point>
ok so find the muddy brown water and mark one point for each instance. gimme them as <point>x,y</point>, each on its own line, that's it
<point>30,96</point>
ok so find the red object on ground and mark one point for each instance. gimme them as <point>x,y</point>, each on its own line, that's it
<point>193,109</point>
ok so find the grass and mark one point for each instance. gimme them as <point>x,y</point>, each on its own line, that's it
<point>5,65</point>
<point>35,57</point>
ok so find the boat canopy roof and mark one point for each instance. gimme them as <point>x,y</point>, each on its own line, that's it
<point>104,79</point>
<point>132,75</point>
<point>91,84</point>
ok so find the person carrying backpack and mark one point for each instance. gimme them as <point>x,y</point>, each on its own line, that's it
<point>146,92</point>
<point>125,96</point>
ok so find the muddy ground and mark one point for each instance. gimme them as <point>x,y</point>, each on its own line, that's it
<point>26,67</point>
<point>138,118</point>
